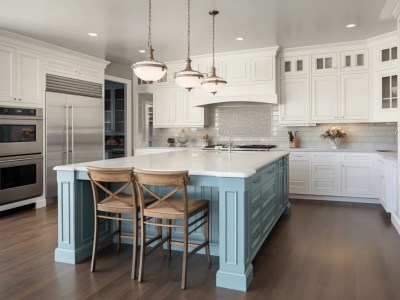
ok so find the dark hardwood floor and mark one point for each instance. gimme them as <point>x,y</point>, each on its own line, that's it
<point>323,250</point>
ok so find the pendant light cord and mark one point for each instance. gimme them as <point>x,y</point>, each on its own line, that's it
<point>213,41</point>
<point>149,39</point>
<point>188,38</point>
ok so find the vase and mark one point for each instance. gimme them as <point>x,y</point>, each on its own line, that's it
<point>334,143</point>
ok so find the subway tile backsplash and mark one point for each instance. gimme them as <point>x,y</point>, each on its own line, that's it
<point>259,124</point>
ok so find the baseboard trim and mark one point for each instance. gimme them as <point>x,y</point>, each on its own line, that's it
<point>396,222</point>
<point>335,198</point>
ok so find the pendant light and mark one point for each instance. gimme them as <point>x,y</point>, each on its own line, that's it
<point>188,78</point>
<point>213,83</point>
<point>149,70</point>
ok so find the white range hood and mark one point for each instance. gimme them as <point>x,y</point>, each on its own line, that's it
<point>251,77</point>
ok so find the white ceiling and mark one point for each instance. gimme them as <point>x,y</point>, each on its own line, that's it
<point>122,24</point>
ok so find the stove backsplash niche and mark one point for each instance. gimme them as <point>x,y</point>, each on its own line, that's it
<point>259,124</point>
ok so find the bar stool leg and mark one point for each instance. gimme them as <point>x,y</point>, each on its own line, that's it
<point>206,238</point>
<point>142,248</point>
<point>135,245</point>
<point>95,241</point>
<point>159,233</point>
<point>169,239</point>
<point>119,233</point>
<point>185,253</point>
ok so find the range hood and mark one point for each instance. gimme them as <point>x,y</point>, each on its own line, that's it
<point>233,93</point>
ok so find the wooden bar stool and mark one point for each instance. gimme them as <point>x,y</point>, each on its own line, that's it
<point>113,204</point>
<point>171,206</point>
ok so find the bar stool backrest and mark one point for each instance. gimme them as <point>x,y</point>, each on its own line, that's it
<point>100,176</point>
<point>177,180</point>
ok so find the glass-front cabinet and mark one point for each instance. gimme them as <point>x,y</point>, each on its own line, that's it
<point>324,63</point>
<point>356,60</point>
<point>294,66</point>
<point>389,91</point>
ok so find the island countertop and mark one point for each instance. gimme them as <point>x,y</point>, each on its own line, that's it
<point>197,162</point>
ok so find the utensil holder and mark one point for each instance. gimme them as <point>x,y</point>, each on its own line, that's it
<point>294,143</point>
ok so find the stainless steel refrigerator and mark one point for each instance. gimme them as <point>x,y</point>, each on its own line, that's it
<point>74,133</point>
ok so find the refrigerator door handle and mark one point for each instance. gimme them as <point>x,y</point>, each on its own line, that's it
<point>72,133</point>
<point>67,133</point>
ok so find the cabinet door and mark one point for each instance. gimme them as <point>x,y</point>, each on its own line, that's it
<point>356,60</point>
<point>298,177</point>
<point>386,56</point>
<point>324,104</point>
<point>325,174</point>
<point>162,115</point>
<point>357,179</point>
<point>7,74</point>
<point>324,63</point>
<point>294,104</point>
<point>29,77</point>
<point>193,116</point>
<point>177,107</point>
<point>354,104</point>
<point>294,66</point>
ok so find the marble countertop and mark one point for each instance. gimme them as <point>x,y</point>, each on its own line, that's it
<point>198,162</point>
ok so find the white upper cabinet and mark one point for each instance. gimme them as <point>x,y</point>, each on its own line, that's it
<point>29,77</point>
<point>324,99</point>
<point>294,66</point>
<point>355,60</point>
<point>63,67</point>
<point>21,76</point>
<point>354,99</point>
<point>324,63</point>
<point>386,56</point>
<point>8,74</point>
<point>294,100</point>
<point>173,107</point>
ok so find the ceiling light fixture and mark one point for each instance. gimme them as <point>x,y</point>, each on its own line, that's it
<point>351,25</point>
<point>213,83</point>
<point>93,34</point>
<point>188,78</point>
<point>149,70</point>
<point>240,39</point>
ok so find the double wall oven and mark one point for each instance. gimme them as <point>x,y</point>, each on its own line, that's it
<point>21,153</point>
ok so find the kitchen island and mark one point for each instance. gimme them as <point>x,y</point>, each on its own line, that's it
<point>248,192</point>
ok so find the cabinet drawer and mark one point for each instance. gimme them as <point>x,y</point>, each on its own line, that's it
<point>358,157</point>
<point>255,206</point>
<point>255,181</point>
<point>268,218</point>
<point>269,174</point>
<point>298,156</point>
<point>269,194</point>
<point>326,158</point>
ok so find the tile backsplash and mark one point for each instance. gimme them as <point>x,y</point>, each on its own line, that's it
<point>259,124</point>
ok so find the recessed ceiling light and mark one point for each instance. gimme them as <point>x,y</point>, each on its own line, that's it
<point>351,25</point>
<point>142,51</point>
<point>93,34</point>
<point>239,38</point>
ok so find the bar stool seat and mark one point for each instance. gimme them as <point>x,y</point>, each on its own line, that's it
<point>167,209</point>
<point>121,204</point>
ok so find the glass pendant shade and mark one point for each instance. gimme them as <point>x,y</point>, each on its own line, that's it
<point>149,70</point>
<point>188,78</point>
<point>213,83</point>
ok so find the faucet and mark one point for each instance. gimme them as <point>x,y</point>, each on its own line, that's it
<point>228,132</point>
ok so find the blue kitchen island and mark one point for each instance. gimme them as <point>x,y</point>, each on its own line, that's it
<point>248,192</point>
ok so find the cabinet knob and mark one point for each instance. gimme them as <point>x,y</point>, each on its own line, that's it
<point>342,117</point>
<point>15,99</point>
<point>19,99</point>
<point>283,118</point>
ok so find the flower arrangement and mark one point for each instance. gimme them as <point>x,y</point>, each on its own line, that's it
<point>334,133</point>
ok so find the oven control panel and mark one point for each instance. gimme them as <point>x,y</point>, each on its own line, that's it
<point>17,111</point>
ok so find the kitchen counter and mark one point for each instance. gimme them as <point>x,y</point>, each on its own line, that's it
<point>198,162</point>
<point>247,191</point>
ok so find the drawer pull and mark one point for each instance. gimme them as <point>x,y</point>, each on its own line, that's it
<point>257,180</point>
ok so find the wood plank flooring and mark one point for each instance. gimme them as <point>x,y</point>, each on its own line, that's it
<point>323,250</point>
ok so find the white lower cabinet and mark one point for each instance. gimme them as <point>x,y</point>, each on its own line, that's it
<point>325,173</point>
<point>333,174</point>
<point>386,177</point>
<point>299,173</point>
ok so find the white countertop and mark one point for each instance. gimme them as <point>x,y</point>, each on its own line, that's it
<point>198,162</point>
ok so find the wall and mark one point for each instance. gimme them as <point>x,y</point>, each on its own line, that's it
<point>259,124</point>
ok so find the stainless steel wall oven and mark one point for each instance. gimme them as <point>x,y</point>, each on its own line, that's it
<point>21,153</point>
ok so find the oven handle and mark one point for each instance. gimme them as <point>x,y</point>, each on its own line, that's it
<point>21,159</point>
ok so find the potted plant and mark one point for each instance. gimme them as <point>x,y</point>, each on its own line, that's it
<point>335,135</point>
